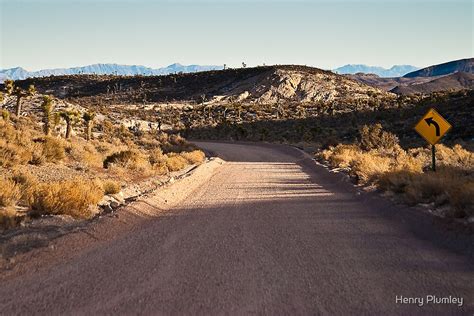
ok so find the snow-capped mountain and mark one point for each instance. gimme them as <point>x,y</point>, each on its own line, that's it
<point>19,73</point>
<point>394,71</point>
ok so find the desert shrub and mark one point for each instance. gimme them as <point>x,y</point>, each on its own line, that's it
<point>12,154</point>
<point>8,217</point>
<point>194,157</point>
<point>341,155</point>
<point>407,162</point>
<point>86,154</point>
<point>374,137</point>
<point>122,158</point>
<point>111,187</point>
<point>176,144</point>
<point>9,192</point>
<point>76,198</point>
<point>401,172</point>
<point>448,185</point>
<point>158,161</point>
<point>368,167</point>
<point>129,159</point>
<point>175,162</point>
<point>454,157</point>
<point>156,156</point>
<point>27,183</point>
<point>461,198</point>
<point>53,149</point>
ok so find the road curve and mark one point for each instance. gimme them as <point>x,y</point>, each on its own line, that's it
<point>270,233</point>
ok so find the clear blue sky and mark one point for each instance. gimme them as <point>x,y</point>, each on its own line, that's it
<point>37,34</point>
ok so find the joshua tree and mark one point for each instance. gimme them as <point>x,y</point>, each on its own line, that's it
<point>47,108</point>
<point>20,93</point>
<point>31,90</point>
<point>224,113</point>
<point>9,86</point>
<point>159,122</point>
<point>88,118</point>
<point>71,118</point>
<point>56,119</point>
<point>5,115</point>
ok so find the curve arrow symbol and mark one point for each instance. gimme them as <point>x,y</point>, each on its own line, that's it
<point>430,121</point>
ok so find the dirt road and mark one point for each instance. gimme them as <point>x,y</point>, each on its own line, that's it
<point>270,233</point>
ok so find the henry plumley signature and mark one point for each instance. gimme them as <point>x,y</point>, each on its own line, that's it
<point>429,299</point>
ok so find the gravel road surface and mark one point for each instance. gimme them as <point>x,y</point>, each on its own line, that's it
<point>269,233</point>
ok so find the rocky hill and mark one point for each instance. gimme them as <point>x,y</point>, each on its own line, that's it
<point>451,76</point>
<point>263,85</point>
<point>453,82</point>
<point>462,65</point>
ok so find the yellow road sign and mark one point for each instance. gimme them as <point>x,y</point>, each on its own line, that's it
<point>432,126</point>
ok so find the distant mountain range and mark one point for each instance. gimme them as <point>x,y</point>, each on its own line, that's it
<point>19,73</point>
<point>395,71</point>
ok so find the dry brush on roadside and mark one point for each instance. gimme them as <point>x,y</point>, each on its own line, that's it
<point>377,159</point>
<point>48,174</point>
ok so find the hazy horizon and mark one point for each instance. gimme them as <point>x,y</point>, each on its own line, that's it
<point>53,34</point>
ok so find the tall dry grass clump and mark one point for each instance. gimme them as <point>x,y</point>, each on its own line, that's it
<point>158,161</point>
<point>9,192</point>
<point>76,198</point>
<point>175,162</point>
<point>53,149</point>
<point>194,157</point>
<point>111,187</point>
<point>86,154</point>
<point>8,217</point>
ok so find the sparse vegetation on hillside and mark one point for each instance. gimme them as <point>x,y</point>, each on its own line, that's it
<point>46,171</point>
<point>135,132</point>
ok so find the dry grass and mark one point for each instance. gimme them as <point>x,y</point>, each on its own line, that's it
<point>111,187</point>
<point>27,184</point>
<point>175,162</point>
<point>447,186</point>
<point>175,144</point>
<point>9,193</point>
<point>194,157</point>
<point>408,173</point>
<point>53,149</point>
<point>129,159</point>
<point>8,217</point>
<point>133,156</point>
<point>367,168</point>
<point>76,198</point>
<point>158,161</point>
<point>156,156</point>
<point>12,155</point>
<point>86,154</point>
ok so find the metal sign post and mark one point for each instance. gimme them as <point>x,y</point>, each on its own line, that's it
<point>433,157</point>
